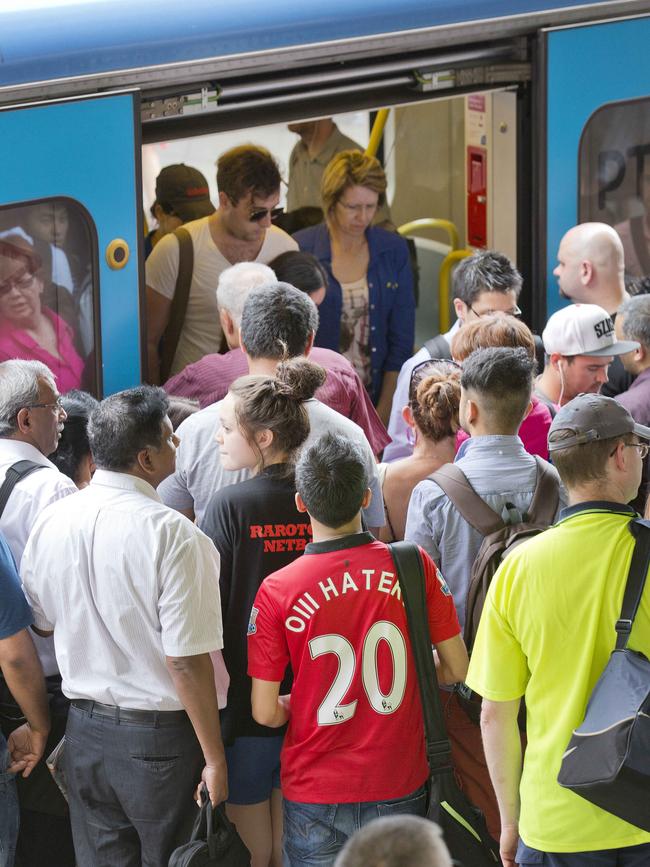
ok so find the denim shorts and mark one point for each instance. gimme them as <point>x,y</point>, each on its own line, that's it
<point>314,834</point>
<point>630,856</point>
<point>253,769</point>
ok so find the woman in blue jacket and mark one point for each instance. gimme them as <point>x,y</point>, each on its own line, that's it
<point>369,311</point>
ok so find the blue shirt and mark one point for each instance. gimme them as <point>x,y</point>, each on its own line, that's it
<point>501,471</point>
<point>15,613</point>
<point>390,297</point>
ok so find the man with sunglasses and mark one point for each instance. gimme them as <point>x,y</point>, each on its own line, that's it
<point>484,284</point>
<point>31,421</point>
<point>241,230</point>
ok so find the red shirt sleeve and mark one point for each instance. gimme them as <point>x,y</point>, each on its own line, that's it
<point>268,651</point>
<point>443,620</point>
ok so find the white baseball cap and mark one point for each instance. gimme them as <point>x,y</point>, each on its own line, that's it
<point>584,329</point>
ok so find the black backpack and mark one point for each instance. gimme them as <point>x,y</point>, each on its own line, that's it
<point>214,841</point>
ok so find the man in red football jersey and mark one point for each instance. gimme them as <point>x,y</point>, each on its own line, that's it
<point>354,748</point>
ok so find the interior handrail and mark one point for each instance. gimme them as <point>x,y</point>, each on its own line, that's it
<point>444,281</point>
<point>377,132</point>
<point>433,223</point>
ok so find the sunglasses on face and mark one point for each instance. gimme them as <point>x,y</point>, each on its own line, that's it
<point>258,214</point>
<point>23,282</point>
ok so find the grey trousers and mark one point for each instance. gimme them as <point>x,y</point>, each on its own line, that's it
<point>130,788</point>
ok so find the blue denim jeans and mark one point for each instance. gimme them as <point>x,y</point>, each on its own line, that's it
<point>8,809</point>
<point>314,834</point>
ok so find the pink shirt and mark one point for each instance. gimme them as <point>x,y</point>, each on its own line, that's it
<point>533,431</point>
<point>208,380</point>
<point>67,370</point>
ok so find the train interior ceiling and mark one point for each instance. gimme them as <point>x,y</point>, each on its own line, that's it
<point>452,160</point>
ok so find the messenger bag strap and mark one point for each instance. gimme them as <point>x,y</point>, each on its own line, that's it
<point>15,473</point>
<point>473,508</point>
<point>410,575</point>
<point>546,496</point>
<point>172,333</point>
<point>636,579</point>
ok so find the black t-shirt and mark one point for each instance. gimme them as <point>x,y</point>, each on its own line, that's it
<point>257,530</point>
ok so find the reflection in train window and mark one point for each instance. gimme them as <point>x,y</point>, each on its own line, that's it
<point>47,299</point>
<point>615,177</point>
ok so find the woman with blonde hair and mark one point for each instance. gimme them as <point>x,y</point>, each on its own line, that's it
<point>369,310</point>
<point>432,415</point>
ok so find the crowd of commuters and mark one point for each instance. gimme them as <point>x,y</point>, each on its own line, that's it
<point>195,581</point>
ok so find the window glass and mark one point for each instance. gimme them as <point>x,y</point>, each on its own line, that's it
<point>48,307</point>
<point>615,178</point>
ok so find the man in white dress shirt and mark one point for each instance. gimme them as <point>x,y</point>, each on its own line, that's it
<point>130,589</point>
<point>31,421</point>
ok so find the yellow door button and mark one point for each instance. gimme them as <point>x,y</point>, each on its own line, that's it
<point>117,254</point>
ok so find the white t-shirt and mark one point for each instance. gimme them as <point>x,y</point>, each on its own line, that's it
<point>201,332</point>
<point>124,581</point>
<point>199,474</point>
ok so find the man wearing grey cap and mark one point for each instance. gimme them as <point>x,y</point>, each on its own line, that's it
<point>579,345</point>
<point>182,195</point>
<point>546,634</point>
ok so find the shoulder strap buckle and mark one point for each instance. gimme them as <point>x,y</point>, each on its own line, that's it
<point>623,626</point>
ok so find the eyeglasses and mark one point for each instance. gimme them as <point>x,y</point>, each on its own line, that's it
<point>514,311</point>
<point>643,448</point>
<point>258,214</point>
<point>358,209</point>
<point>22,283</point>
<point>57,406</point>
<point>420,371</point>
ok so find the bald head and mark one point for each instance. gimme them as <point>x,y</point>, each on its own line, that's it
<point>591,265</point>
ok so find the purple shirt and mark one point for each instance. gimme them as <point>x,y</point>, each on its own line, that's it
<point>636,399</point>
<point>208,380</point>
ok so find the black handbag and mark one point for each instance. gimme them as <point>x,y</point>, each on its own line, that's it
<point>214,841</point>
<point>607,760</point>
<point>463,826</point>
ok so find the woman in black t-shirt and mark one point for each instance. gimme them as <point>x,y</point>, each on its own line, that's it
<point>257,530</point>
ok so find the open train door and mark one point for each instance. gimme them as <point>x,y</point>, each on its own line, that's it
<point>70,186</point>
<point>593,152</point>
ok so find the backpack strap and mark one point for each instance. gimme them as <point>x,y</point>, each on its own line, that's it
<point>639,243</point>
<point>15,473</point>
<point>172,333</point>
<point>471,506</point>
<point>437,347</point>
<point>636,579</point>
<point>546,496</point>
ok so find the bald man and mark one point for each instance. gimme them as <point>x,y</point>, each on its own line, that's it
<point>590,270</point>
<point>591,265</point>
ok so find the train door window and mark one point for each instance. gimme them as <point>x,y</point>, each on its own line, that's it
<point>48,290</point>
<point>614,170</point>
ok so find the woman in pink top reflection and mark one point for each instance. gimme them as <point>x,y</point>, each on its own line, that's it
<point>27,329</point>
<point>491,331</point>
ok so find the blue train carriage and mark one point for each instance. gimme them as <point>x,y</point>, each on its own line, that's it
<point>84,84</point>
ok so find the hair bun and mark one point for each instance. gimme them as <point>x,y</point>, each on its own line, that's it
<point>301,377</point>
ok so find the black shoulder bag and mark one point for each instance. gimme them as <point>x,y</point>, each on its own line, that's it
<point>607,760</point>
<point>214,841</point>
<point>463,825</point>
